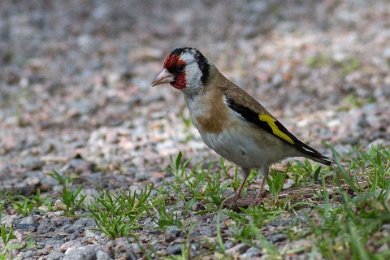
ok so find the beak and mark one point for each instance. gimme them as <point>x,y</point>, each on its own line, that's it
<point>163,77</point>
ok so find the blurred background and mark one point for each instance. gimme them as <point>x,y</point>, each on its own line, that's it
<point>75,77</point>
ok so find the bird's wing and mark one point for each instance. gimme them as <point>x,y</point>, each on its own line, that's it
<point>242,103</point>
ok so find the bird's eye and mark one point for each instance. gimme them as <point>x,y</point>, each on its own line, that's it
<point>180,68</point>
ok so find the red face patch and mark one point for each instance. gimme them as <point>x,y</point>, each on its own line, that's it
<point>175,66</point>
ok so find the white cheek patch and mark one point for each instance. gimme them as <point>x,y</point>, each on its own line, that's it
<point>193,75</point>
<point>193,72</point>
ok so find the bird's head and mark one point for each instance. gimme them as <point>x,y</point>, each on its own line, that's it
<point>185,69</point>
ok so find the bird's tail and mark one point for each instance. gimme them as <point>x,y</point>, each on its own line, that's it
<point>313,154</point>
<point>323,159</point>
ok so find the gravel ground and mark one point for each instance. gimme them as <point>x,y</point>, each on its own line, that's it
<point>75,96</point>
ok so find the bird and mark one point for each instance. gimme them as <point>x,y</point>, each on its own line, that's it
<point>230,121</point>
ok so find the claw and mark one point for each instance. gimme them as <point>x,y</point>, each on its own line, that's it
<point>259,198</point>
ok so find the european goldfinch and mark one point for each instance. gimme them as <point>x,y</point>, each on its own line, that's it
<point>229,120</point>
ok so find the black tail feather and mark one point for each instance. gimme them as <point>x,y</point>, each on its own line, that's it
<point>312,154</point>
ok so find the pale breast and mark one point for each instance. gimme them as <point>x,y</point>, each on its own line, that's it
<point>208,111</point>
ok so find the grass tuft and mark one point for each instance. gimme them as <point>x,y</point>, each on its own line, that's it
<point>117,215</point>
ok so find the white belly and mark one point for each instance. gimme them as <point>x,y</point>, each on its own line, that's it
<point>244,150</point>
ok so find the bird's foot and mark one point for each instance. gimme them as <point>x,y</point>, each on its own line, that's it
<point>230,202</point>
<point>259,198</point>
<point>236,202</point>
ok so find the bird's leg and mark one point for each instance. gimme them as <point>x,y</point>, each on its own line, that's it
<point>233,202</point>
<point>246,173</point>
<point>259,196</point>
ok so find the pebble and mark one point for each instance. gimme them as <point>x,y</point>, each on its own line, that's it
<point>150,224</point>
<point>59,205</point>
<point>55,255</point>
<point>280,222</point>
<point>89,252</point>
<point>135,248</point>
<point>83,222</point>
<point>54,242</point>
<point>237,249</point>
<point>251,252</point>
<point>91,234</point>
<point>228,244</point>
<point>378,142</point>
<point>386,53</point>
<point>386,227</point>
<point>32,163</point>
<point>79,166</point>
<point>65,246</point>
<point>45,226</point>
<point>174,249</point>
<point>123,249</point>
<point>27,254</point>
<point>102,255</point>
<point>171,233</point>
<point>26,223</point>
<point>274,238</point>
<point>24,187</point>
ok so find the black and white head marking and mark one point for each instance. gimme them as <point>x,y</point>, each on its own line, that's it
<point>197,66</point>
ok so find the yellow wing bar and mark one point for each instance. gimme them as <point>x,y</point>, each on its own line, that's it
<point>275,129</point>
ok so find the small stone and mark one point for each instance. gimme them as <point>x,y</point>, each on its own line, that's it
<point>386,227</point>
<point>377,142</point>
<point>150,224</point>
<point>383,248</point>
<point>27,254</point>
<point>276,238</point>
<point>386,53</point>
<point>228,244</point>
<point>288,184</point>
<point>23,187</point>
<point>174,249</point>
<point>277,80</point>
<point>58,204</point>
<point>141,175</point>
<point>45,226</point>
<point>172,233</point>
<point>136,248</point>
<point>55,255</point>
<point>52,241</point>
<point>35,174</point>
<point>64,247</point>
<point>91,234</point>
<point>80,165</point>
<point>19,236</point>
<point>32,163</point>
<point>237,249</point>
<point>102,255</point>
<point>251,252</point>
<point>84,222</point>
<point>44,208</point>
<point>49,181</point>
<point>206,231</point>
<point>26,223</point>
<point>123,249</point>
<point>81,253</point>
<point>280,222</point>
